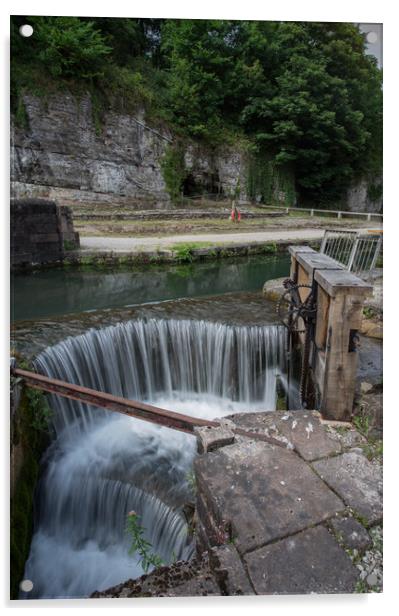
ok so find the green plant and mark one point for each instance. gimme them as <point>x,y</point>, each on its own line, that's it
<point>39,408</point>
<point>21,117</point>
<point>369,312</point>
<point>360,518</point>
<point>69,46</point>
<point>269,249</point>
<point>373,449</point>
<point>190,478</point>
<point>141,546</point>
<point>361,587</point>
<point>374,191</point>
<point>174,170</point>
<point>362,422</point>
<point>68,245</point>
<point>184,252</point>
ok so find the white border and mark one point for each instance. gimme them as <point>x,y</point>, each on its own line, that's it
<point>339,10</point>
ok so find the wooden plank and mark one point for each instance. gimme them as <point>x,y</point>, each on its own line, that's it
<point>342,281</point>
<point>323,306</point>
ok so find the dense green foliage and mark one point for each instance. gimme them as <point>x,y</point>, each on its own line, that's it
<point>304,95</point>
<point>174,171</point>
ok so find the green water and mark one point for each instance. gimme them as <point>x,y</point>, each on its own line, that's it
<point>58,292</point>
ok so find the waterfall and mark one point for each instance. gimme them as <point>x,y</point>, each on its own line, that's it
<point>101,465</point>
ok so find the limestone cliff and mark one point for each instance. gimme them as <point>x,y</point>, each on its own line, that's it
<point>62,153</point>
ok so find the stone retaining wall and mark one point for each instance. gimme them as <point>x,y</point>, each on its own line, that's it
<point>41,232</point>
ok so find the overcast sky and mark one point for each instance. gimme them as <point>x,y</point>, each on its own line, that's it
<point>374,40</point>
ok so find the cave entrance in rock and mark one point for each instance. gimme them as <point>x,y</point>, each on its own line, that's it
<point>206,184</point>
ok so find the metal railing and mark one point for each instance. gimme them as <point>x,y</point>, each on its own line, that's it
<point>131,408</point>
<point>338,213</point>
<point>357,252</point>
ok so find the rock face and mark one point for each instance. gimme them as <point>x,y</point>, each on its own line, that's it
<point>63,155</point>
<point>359,198</point>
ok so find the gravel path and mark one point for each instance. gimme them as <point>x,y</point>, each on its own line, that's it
<point>133,244</point>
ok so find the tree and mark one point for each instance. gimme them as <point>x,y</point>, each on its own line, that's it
<point>68,47</point>
<point>323,111</point>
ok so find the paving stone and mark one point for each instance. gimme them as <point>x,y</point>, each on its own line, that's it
<point>309,562</point>
<point>356,480</point>
<point>352,533</point>
<point>264,491</point>
<point>229,571</point>
<point>309,437</point>
<point>303,429</point>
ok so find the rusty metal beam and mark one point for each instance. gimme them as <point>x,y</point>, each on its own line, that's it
<point>132,408</point>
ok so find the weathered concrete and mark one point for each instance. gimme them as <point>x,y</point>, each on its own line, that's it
<point>357,481</point>
<point>310,562</point>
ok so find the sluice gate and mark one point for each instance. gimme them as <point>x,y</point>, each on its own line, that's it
<point>322,309</point>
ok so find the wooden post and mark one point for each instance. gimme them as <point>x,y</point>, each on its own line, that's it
<point>339,318</point>
<point>334,357</point>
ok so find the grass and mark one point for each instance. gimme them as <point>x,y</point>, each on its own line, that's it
<point>163,228</point>
<point>362,423</point>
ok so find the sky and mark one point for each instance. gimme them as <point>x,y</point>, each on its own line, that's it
<point>374,39</point>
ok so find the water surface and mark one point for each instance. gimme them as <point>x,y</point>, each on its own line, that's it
<point>50,293</point>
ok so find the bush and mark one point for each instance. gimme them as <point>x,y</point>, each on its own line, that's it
<point>174,170</point>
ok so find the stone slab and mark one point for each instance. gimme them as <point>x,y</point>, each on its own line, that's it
<point>303,429</point>
<point>229,571</point>
<point>209,439</point>
<point>310,562</point>
<point>352,534</point>
<point>309,437</point>
<point>264,491</point>
<point>356,480</point>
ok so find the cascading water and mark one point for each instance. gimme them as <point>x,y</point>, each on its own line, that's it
<point>102,465</point>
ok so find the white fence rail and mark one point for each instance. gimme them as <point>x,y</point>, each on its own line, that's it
<point>338,213</point>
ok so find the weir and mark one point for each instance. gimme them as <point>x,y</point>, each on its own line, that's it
<point>102,465</point>
<point>183,374</point>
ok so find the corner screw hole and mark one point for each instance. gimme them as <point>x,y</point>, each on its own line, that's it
<point>26,30</point>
